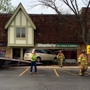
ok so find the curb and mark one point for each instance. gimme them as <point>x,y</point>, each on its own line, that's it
<point>68,67</point>
<point>49,67</point>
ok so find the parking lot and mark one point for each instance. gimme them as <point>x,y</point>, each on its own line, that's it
<point>48,78</point>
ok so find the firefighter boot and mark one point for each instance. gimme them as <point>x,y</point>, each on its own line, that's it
<point>80,72</point>
<point>83,71</point>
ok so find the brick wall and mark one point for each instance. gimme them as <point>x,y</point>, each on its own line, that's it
<point>51,29</point>
<point>8,53</point>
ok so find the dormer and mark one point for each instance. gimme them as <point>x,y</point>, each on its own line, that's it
<point>20,28</point>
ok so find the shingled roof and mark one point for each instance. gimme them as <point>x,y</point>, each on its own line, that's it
<point>47,29</point>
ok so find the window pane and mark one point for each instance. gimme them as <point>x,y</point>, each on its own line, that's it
<point>18,32</point>
<point>23,32</point>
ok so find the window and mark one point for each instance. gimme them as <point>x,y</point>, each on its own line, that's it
<point>49,52</point>
<point>38,51</point>
<point>20,32</point>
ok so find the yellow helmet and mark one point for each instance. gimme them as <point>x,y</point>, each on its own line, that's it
<point>83,51</point>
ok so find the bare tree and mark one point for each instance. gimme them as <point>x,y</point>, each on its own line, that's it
<point>81,20</point>
<point>6,6</point>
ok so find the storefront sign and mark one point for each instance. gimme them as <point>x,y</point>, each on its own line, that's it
<point>88,49</point>
<point>2,44</point>
<point>2,52</point>
<point>67,45</point>
<point>58,45</point>
<point>46,45</point>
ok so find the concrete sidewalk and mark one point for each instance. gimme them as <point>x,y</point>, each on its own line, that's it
<point>56,66</point>
<point>48,67</point>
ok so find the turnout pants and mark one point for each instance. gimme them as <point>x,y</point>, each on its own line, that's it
<point>60,63</point>
<point>83,68</point>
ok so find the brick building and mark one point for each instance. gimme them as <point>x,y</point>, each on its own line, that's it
<point>20,31</point>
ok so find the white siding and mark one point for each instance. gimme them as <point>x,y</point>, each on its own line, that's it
<point>12,23</point>
<point>18,19</point>
<point>30,36</point>
<point>20,41</point>
<point>29,24</point>
<point>11,37</point>
<point>23,20</point>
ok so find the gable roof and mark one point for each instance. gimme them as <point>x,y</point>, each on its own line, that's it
<point>16,11</point>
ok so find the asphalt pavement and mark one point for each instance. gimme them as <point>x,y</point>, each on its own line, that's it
<point>48,78</point>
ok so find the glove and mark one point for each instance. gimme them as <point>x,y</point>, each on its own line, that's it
<point>79,62</point>
<point>63,59</point>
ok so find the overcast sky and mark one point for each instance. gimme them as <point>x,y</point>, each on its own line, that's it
<point>36,10</point>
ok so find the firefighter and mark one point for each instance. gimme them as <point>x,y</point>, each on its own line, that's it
<point>83,63</point>
<point>60,58</point>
